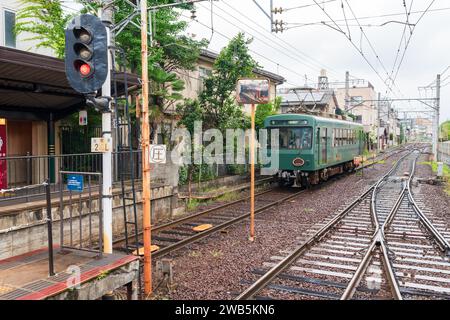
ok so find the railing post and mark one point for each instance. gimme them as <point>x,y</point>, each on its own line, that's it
<point>29,177</point>
<point>51,270</point>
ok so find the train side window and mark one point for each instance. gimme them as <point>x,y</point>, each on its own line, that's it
<point>336,138</point>
<point>333,137</point>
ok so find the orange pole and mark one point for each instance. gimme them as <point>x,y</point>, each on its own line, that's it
<point>252,176</point>
<point>146,155</point>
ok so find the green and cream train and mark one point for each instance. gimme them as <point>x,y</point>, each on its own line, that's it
<point>312,148</point>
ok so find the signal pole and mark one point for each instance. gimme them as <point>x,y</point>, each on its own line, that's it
<point>436,118</point>
<point>146,155</point>
<point>347,88</point>
<point>106,14</point>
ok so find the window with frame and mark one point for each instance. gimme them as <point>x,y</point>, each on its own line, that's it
<point>9,25</point>
<point>203,74</point>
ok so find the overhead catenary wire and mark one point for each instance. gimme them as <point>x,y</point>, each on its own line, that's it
<point>307,5</point>
<point>410,37</point>
<point>354,45</point>
<point>268,44</point>
<point>253,51</point>
<point>374,52</point>
<point>285,45</point>
<point>368,17</point>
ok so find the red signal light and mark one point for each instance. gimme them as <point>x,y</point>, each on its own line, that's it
<point>85,70</point>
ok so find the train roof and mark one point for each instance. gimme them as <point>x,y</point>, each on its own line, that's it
<point>293,116</point>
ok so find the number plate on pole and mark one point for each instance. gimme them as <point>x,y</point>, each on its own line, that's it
<point>101,145</point>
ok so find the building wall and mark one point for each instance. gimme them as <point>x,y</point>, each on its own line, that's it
<point>368,111</point>
<point>21,42</point>
<point>194,81</point>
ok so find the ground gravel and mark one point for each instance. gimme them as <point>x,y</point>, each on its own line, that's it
<point>220,266</point>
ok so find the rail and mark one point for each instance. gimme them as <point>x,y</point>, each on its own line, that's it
<point>276,270</point>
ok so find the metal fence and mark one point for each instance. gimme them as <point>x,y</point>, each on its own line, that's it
<point>81,212</point>
<point>444,152</point>
<point>28,170</point>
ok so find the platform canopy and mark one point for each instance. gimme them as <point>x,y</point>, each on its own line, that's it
<point>34,86</point>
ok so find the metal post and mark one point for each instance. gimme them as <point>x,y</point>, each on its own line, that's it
<point>347,89</point>
<point>51,147</point>
<point>252,176</point>
<point>106,15</point>
<point>146,155</point>
<point>379,122</point>
<point>436,118</point>
<point>51,269</point>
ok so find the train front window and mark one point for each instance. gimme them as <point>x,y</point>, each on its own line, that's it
<point>295,138</point>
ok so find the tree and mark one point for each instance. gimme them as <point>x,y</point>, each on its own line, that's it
<point>190,112</point>
<point>170,51</point>
<point>217,98</point>
<point>445,130</point>
<point>45,21</point>
<point>265,110</point>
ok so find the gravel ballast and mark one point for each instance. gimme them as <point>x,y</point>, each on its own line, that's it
<point>215,267</point>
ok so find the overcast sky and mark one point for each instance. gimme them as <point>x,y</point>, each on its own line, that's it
<point>304,50</point>
<point>300,52</point>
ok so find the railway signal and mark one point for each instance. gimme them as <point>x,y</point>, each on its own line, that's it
<point>86,53</point>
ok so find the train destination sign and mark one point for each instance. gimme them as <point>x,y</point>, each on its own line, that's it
<point>253,91</point>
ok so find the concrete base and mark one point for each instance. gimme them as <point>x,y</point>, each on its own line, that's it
<point>79,276</point>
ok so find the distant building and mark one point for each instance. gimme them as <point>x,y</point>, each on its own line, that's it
<point>309,100</point>
<point>422,129</point>
<point>389,127</point>
<point>361,104</point>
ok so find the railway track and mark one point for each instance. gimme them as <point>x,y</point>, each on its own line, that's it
<point>177,234</point>
<point>381,246</point>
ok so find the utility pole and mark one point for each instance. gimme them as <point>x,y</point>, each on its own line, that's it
<point>378,121</point>
<point>146,154</point>
<point>436,118</point>
<point>106,14</point>
<point>347,89</point>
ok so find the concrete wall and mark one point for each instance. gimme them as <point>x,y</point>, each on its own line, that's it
<point>23,228</point>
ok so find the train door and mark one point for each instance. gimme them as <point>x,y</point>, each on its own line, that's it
<point>318,146</point>
<point>323,145</point>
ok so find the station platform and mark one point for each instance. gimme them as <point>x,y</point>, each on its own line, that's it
<point>79,275</point>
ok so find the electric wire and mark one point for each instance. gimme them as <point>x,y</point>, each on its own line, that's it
<point>253,51</point>
<point>286,45</point>
<point>268,44</point>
